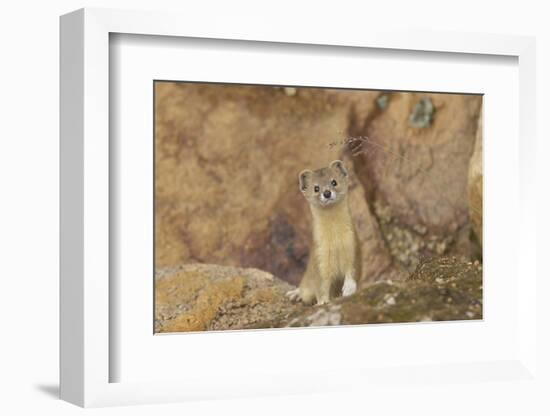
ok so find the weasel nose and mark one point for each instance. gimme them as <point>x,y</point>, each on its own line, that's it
<point>327,194</point>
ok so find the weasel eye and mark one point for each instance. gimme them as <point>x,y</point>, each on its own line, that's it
<point>316,188</point>
<point>334,183</point>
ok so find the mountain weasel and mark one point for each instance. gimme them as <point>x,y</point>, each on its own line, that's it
<point>334,263</point>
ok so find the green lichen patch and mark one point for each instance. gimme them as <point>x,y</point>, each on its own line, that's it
<point>421,116</point>
<point>442,289</point>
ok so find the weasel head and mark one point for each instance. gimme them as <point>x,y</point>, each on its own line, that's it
<point>325,187</point>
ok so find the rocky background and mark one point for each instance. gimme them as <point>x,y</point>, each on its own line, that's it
<point>232,229</point>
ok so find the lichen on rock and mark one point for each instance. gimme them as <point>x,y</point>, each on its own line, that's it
<point>421,116</point>
<point>201,297</point>
<point>210,297</point>
<point>441,289</point>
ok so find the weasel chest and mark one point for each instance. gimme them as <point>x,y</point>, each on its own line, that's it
<point>336,249</point>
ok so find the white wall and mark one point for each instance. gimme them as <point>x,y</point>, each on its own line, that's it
<point>29,185</point>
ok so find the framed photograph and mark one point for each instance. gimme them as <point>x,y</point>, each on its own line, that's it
<point>248,235</point>
<point>277,212</point>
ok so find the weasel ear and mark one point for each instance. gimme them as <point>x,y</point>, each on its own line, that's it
<point>339,166</point>
<point>305,180</point>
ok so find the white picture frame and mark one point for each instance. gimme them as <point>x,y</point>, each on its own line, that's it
<point>86,356</point>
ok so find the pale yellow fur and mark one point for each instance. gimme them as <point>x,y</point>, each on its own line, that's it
<point>335,255</point>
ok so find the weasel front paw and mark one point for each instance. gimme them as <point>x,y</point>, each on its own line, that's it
<point>294,295</point>
<point>349,287</point>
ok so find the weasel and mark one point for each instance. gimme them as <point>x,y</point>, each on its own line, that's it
<point>334,263</point>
